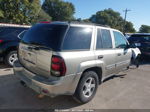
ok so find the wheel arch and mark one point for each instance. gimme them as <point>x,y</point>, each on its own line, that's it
<point>12,48</point>
<point>97,70</point>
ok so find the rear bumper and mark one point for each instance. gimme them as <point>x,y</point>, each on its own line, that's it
<point>62,86</point>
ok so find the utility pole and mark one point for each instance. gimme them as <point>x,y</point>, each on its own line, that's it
<point>124,26</point>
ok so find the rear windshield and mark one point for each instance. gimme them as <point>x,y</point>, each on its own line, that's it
<point>140,38</point>
<point>48,35</point>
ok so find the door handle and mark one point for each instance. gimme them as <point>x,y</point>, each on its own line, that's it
<point>100,56</point>
<point>119,54</point>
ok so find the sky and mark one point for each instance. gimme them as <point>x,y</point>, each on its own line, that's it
<point>139,14</point>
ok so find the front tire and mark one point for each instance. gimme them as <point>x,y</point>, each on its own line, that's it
<point>87,87</point>
<point>10,58</point>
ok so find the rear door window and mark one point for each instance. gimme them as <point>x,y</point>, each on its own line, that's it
<point>106,39</point>
<point>78,38</point>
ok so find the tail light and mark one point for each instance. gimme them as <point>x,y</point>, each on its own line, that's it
<point>1,41</point>
<point>58,67</point>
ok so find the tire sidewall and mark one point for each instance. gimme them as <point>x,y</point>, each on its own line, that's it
<point>79,92</point>
<point>8,56</point>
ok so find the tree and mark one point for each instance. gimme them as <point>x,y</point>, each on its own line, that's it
<point>86,20</point>
<point>144,29</point>
<point>43,16</point>
<point>19,11</point>
<point>1,14</point>
<point>129,27</point>
<point>59,10</point>
<point>111,18</point>
<point>35,8</point>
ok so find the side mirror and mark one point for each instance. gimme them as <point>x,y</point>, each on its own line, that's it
<point>127,46</point>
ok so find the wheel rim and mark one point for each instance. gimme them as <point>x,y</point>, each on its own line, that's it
<point>13,58</point>
<point>89,87</point>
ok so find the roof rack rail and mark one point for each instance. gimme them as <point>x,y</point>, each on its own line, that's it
<point>14,25</point>
<point>87,23</point>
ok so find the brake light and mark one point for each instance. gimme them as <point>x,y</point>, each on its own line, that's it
<point>1,41</point>
<point>44,22</point>
<point>58,67</point>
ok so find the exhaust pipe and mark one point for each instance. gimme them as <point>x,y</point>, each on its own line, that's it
<point>23,83</point>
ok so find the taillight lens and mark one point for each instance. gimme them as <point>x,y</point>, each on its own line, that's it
<point>58,67</point>
<point>1,41</point>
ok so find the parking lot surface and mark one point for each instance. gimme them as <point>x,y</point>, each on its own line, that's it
<point>127,90</point>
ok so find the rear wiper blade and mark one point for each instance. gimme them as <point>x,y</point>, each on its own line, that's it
<point>37,46</point>
<point>35,43</point>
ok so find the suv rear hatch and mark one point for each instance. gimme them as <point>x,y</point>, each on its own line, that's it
<point>37,46</point>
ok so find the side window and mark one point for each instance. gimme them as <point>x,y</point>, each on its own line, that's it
<point>20,36</point>
<point>8,31</point>
<point>14,32</point>
<point>78,38</point>
<point>17,31</point>
<point>99,40</point>
<point>106,39</point>
<point>2,29</point>
<point>120,41</point>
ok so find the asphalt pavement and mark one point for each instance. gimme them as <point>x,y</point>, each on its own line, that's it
<point>127,90</point>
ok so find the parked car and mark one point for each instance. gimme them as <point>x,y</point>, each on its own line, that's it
<point>9,41</point>
<point>142,41</point>
<point>69,58</point>
<point>127,35</point>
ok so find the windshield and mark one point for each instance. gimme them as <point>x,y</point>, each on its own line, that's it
<point>48,35</point>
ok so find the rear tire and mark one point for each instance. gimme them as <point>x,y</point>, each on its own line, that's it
<point>87,87</point>
<point>10,58</point>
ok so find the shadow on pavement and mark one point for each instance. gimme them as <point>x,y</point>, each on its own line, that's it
<point>115,76</point>
<point>3,66</point>
<point>14,96</point>
<point>145,62</point>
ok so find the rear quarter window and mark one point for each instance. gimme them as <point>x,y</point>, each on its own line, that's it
<point>78,38</point>
<point>20,36</point>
